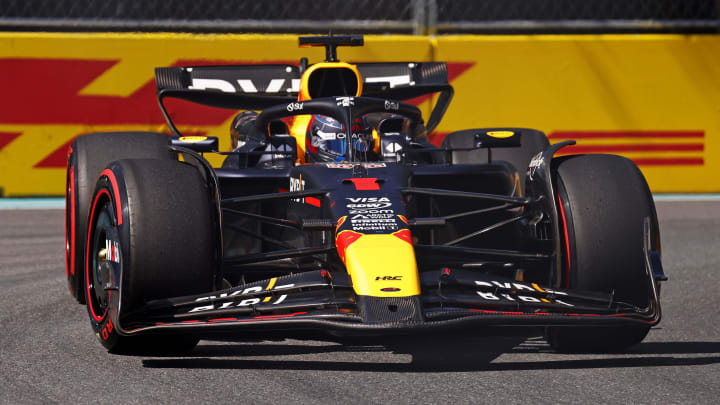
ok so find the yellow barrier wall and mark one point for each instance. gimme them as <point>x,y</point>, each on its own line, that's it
<point>57,86</point>
<point>653,98</point>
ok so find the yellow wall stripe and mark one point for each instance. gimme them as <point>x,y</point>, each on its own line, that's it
<point>563,85</point>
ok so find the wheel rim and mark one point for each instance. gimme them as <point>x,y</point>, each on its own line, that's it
<point>104,262</point>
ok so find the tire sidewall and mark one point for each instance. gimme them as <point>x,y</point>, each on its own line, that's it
<point>74,253</point>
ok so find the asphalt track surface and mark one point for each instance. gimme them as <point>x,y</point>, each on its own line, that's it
<point>48,353</point>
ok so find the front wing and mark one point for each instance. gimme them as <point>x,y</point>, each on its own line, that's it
<point>319,300</point>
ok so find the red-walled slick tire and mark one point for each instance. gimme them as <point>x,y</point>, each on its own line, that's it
<point>603,201</point>
<point>150,236</point>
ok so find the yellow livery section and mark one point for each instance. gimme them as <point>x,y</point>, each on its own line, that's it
<point>325,78</point>
<point>382,266</point>
<point>321,80</point>
<point>298,130</point>
<point>501,134</point>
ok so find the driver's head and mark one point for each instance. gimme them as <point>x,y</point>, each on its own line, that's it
<point>326,141</point>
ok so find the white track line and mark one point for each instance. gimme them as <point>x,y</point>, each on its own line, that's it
<point>686,197</point>
<point>32,203</point>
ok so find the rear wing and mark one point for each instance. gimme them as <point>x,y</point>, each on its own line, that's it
<point>256,87</point>
<point>405,80</point>
<point>262,80</point>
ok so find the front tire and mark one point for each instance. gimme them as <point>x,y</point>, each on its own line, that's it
<point>150,236</point>
<point>603,201</point>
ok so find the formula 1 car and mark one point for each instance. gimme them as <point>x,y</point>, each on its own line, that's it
<point>333,213</point>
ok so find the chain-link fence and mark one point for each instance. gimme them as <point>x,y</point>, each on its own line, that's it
<point>368,16</point>
<point>493,16</point>
<point>317,16</point>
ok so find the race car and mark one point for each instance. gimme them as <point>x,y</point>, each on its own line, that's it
<point>334,214</point>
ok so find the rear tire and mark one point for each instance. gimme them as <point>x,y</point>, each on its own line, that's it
<point>602,203</point>
<point>87,156</point>
<point>151,233</point>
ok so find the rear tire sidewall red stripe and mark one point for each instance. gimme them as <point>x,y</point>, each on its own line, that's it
<point>69,223</point>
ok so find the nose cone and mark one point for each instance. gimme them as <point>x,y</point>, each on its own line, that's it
<point>380,265</point>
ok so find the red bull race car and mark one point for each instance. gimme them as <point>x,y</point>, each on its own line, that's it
<point>334,214</point>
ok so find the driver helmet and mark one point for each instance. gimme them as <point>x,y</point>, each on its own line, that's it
<point>326,141</point>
